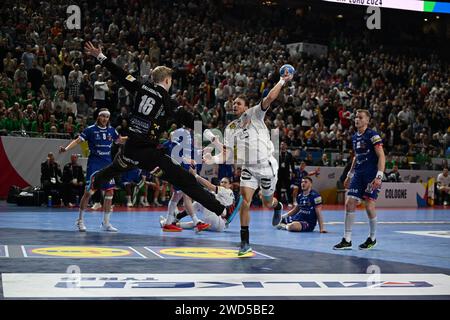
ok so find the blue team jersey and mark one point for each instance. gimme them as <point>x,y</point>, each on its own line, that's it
<point>364,148</point>
<point>100,141</point>
<point>307,205</point>
<point>298,176</point>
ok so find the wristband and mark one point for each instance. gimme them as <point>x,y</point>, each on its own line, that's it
<point>282,81</point>
<point>101,57</point>
<point>379,175</point>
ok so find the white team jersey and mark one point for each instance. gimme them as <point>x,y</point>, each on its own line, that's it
<point>251,137</point>
<point>217,223</point>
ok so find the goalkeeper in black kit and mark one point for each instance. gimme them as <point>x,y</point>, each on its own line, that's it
<point>148,119</point>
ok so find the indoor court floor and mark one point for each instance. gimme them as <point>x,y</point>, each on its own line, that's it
<point>42,256</point>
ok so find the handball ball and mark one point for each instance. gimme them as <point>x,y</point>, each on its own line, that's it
<point>287,69</point>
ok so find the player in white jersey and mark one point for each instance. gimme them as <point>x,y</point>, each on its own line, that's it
<point>223,193</point>
<point>255,149</point>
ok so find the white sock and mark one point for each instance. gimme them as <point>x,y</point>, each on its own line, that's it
<point>171,212</point>
<point>81,214</point>
<point>128,199</point>
<point>373,228</point>
<point>195,219</point>
<point>142,199</point>
<point>349,219</point>
<point>106,217</point>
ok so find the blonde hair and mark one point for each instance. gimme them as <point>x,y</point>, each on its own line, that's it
<point>160,73</point>
<point>366,112</point>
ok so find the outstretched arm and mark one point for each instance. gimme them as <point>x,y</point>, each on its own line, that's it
<point>127,80</point>
<point>275,91</point>
<point>71,145</point>
<point>208,185</point>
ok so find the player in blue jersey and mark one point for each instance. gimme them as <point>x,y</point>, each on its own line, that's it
<point>298,175</point>
<point>100,137</point>
<point>181,149</point>
<point>363,180</point>
<point>308,211</point>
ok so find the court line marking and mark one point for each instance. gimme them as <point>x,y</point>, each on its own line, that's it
<point>391,222</point>
<point>264,255</point>
<point>131,248</point>
<point>6,251</point>
<point>156,254</point>
<point>24,252</point>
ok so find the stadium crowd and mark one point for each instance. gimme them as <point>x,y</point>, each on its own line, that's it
<point>49,87</point>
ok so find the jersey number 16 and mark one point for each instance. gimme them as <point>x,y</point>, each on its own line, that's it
<point>146,105</point>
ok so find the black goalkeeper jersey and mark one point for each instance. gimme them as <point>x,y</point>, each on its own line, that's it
<point>153,108</point>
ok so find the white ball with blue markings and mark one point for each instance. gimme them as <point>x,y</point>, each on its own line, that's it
<point>287,69</point>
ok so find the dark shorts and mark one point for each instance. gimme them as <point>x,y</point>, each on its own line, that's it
<point>94,167</point>
<point>306,227</point>
<point>360,187</point>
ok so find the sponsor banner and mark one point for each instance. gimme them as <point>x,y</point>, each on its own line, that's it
<point>202,253</point>
<point>80,252</point>
<point>434,233</point>
<point>395,195</point>
<point>3,251</point>
<point>51,285</point>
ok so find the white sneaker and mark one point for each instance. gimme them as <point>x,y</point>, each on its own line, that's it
<point>96,206</point>
<point>80,225</point>
<point>129,204</point>
<point>108,227</point>
<point>157,204</point>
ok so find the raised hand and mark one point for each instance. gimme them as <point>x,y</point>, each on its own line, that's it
<point>91,50</point>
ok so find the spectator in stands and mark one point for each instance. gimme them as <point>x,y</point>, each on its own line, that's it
<point>324,161</point>
<point>72,182</point>
<point>443,187</point>
<point>50,178</point>
<point>394,175</point>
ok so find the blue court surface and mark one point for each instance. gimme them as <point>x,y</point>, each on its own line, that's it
<point>43,256</point>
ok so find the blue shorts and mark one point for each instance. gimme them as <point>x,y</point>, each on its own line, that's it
<point>131,176</point>
<point>94,167</point>
<point>306,226</point>
<point>360,186</point>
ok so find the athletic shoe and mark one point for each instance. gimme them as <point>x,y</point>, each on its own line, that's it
<point>108,227</point>
<point>201,226</point>
<point>96,206</point>
<point>80,225</point>
<point>171,228</point>
<point>129,204</point>
<point>343,245</point>
<point>276,219</point>
<point>233,210</point>
<point>281,226</point>
<point>157,204</point>
<point>244,249</point>
<point>369,244</point>
<point>145,203</point>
